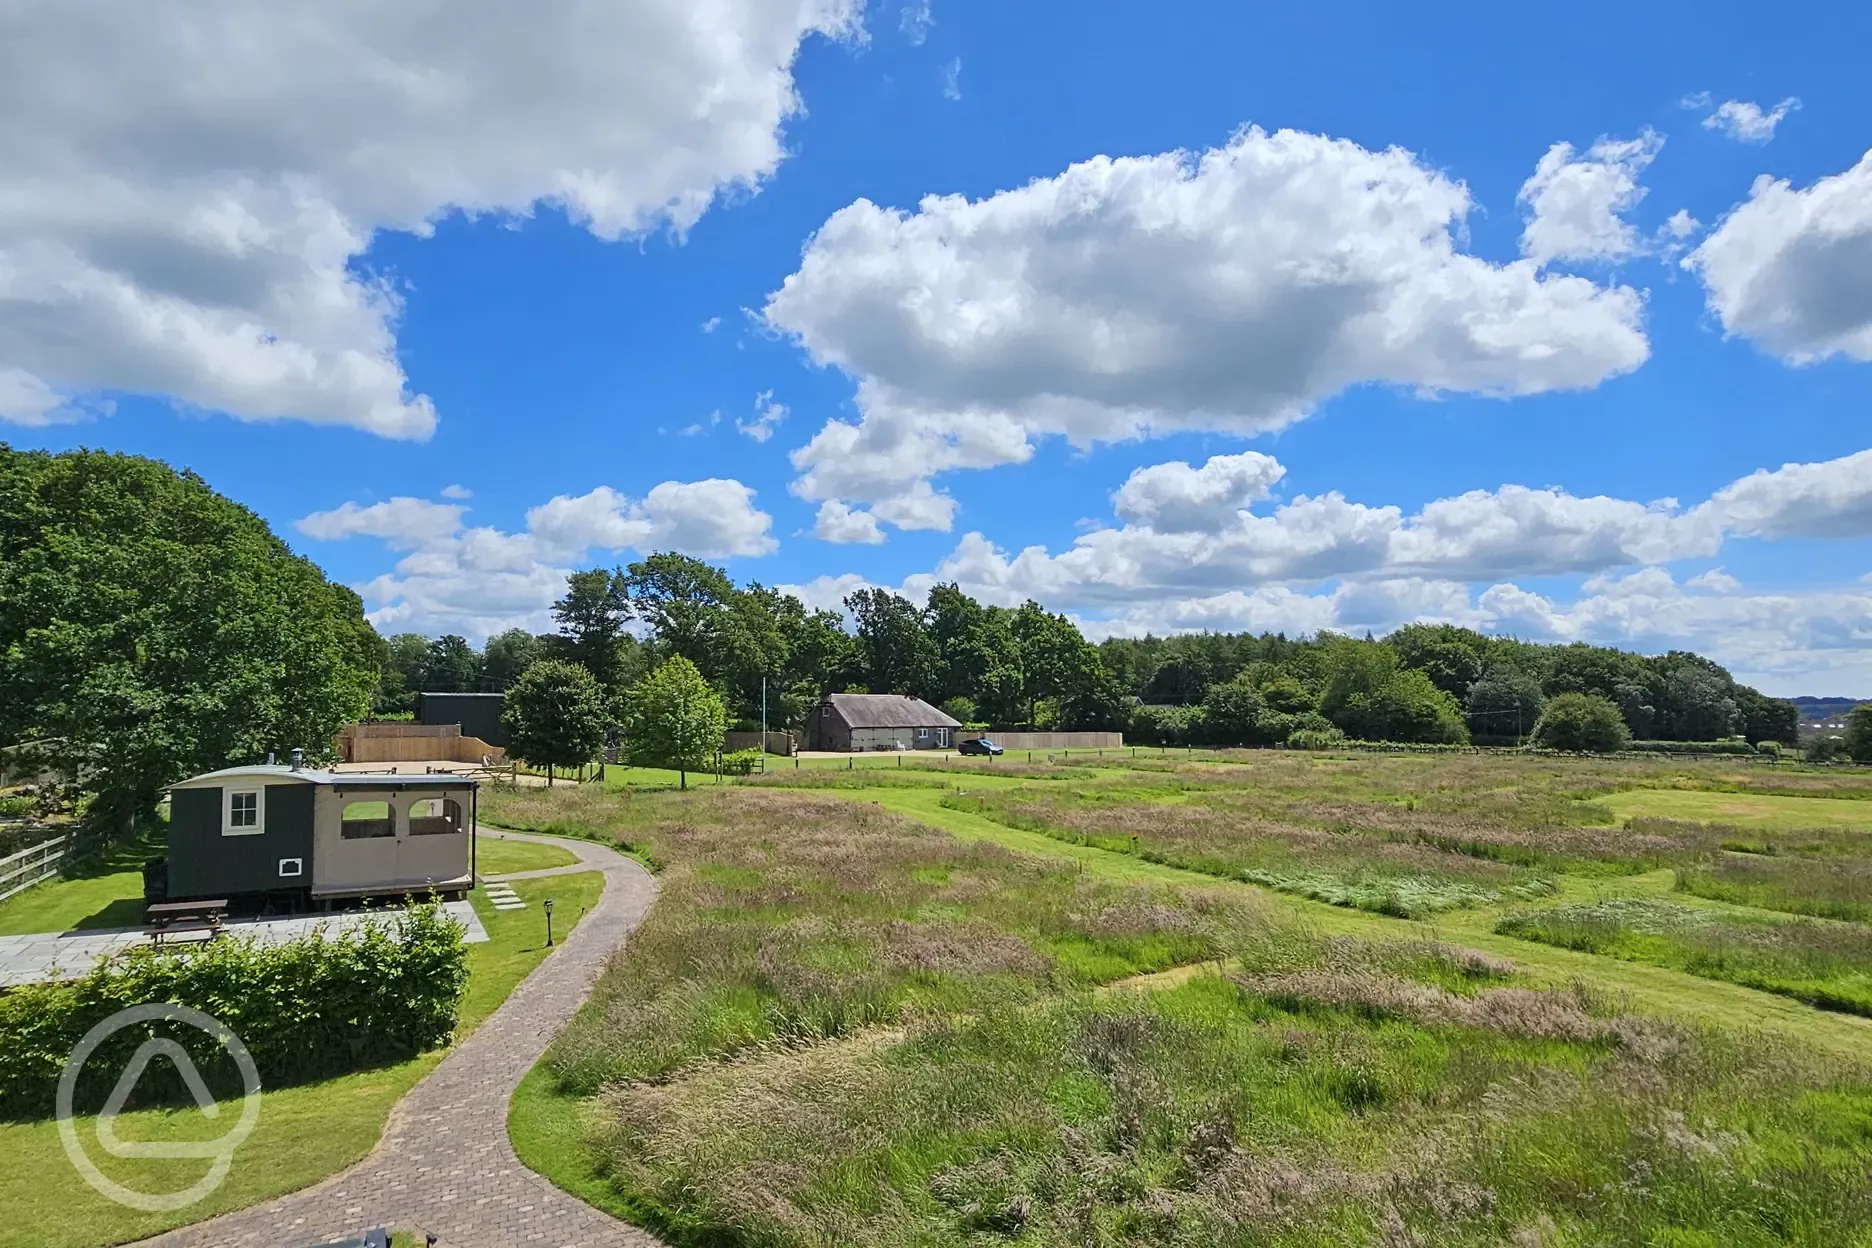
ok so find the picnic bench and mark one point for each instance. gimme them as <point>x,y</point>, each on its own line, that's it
<point>165,919</point>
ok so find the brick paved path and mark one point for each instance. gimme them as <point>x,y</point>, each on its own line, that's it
<point>444,1164</point>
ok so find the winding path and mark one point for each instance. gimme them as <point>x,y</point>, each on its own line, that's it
<point>444,1164</point>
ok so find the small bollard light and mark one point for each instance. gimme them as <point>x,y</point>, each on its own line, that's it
<point>549,939</point>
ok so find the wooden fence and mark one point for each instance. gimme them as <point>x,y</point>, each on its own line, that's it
<point>412,743</point>
<point>19,872</point>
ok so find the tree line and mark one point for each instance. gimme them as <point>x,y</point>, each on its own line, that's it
<point>1029,668</point>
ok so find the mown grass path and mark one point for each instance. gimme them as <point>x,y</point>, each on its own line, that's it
<point>1649,988</point>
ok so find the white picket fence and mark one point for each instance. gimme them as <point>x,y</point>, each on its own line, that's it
<point>19,872</point>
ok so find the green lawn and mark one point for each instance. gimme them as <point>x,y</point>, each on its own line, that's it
<point>304,1133</point>
<point>496,855</point>
<point>105,891</point>
<point>1742,810</point>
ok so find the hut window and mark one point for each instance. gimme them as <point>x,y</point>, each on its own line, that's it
<point>435,816</point>
<point>244,815</point>
<point>364,820</point>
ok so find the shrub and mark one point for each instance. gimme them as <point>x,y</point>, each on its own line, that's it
<point>1859,733</point>
<point>1826,750</point>
<point>306,1009</point>
<point>1316,738</point>
<point>1582,723</point>
<point>741,762</point>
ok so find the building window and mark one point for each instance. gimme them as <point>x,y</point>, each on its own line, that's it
<point>366,820</point>
<point>435,816</point>
<point>245,814</point>
<point>291,868</point>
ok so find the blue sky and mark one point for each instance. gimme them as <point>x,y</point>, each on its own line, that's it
<point>619,282</point>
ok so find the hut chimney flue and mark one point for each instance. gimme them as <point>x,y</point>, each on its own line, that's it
<point>298,758</point>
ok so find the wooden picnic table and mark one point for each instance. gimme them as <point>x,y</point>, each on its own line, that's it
<point>175,918</point>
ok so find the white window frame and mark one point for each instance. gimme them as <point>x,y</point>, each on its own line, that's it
<point>227,811</point>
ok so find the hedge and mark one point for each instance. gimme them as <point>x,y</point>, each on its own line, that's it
<point>1691,747</point>
<point>306,1009</point>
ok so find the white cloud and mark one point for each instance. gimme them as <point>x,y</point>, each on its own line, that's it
<point>711,325</point>
<point>478,581</point>
<point>1175,497</point>
<point>1695,100</point>
<point>844,525</point>
<point>952,79</point>
<point>1828,499</point>
<point>1715,580</point>
<point>402,523</point>
<point>712,519</point>
<point>1208,547</point>
<point>457,492</point>
<point>1681,224</point>
<point>1792,270</point>
<point>827,593</point>
<point>1745,122</point>
<point>1576,204</point>
<point>1229,290</point>
<point>915,21</point>
<point>189,189</point>
<point>918,507</point>
<point>767,417</point>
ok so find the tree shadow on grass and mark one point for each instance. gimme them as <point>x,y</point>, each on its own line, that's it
<point>123,912</point>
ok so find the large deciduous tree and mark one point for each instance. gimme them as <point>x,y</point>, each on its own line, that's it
<point>507,657</point>
<point>675,719</point>
<point>556,716</point>
<point>1505,702</point>
<point>151,629</point>
<point>895,651</point>
<point>591,618</point>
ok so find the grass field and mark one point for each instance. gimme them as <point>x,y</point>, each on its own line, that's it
<point>1742,810</point>
<point>304,1133</point>
<point>103,891</point>
<point>495,855</point>
<point>836,1029</point>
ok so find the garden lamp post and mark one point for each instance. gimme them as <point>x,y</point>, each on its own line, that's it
<point>549,939</point>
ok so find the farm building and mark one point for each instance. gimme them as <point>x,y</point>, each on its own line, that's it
<point>281,837</point>
<point>476,714</point>
<point>879,721</point>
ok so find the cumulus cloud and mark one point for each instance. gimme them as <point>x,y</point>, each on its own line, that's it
<point>845,526</point>
<point>1575,203</point>
<point>1745,122</point>
<point>479,580</point>
<point>187,222</point>
<point>1791,270</point>
<point>827,593</point>
<point>1190,531</point>
<point>1828,499</point>
<point>1175,497</point>
<point>1229,290</point>
<point>457,492</point>
<point>402,523</point>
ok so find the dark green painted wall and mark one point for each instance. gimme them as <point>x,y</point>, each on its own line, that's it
<point>203,863</point>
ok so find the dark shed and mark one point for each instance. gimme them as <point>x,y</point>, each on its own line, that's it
<point>479,714</point>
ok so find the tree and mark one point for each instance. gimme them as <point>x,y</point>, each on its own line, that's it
<point>1582,722</point>
<point>1050,653</point>
<point>1237,713</point>
<point>1697,705</point>
<point>1450,656</point>
<point>591,619</point>
<point>400,673</point>
<point>450,665</point>
<point>1767,719</point>
<point>151,629</point>
<point>555,716</point>
<point>1505,702</point>
<point>508,656</point>
<point>1859,733</point>
<point>895,652</point>
<point>1405,707</point>
<point>675,719</point>
<point>684,601</point>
